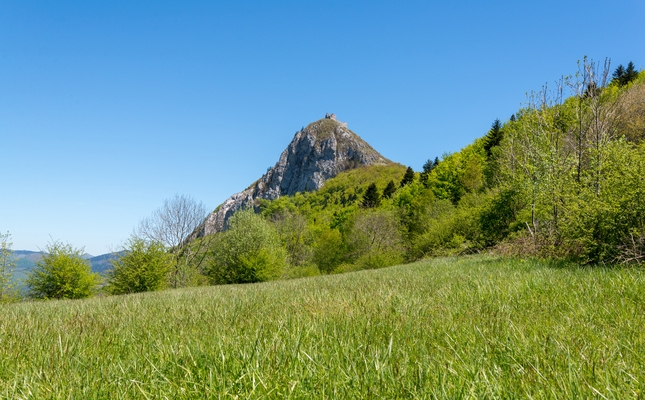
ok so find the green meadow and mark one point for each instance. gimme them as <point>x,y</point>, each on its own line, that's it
<point>468,327</point>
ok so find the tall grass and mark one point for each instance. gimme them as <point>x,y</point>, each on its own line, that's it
<point>477,327</point>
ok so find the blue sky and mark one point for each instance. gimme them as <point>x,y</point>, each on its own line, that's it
<point>108,108</point>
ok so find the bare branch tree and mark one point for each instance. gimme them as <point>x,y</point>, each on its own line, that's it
<point>172,225</point>
<point>173,222</point>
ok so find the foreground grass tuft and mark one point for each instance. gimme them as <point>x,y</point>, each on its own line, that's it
<point>476,327</point>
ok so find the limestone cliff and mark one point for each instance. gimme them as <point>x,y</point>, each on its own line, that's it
<point>317,153</point>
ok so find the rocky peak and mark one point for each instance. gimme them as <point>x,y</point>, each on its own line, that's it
<point>317,152</point>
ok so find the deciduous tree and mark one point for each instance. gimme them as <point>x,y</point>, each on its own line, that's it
<point>293,232</point>
<point>248,251</point>
<point>329,250</point>
<point>172,225</point>
<point>376,239</point>
<point>8,290</point>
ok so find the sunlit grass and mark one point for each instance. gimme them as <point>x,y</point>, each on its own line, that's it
<point>476,327</point>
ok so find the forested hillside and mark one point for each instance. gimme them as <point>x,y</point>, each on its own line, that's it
<point>561,178</point>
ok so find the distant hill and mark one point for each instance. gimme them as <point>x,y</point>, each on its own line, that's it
<point>26,260</point>
<point>102,263</point>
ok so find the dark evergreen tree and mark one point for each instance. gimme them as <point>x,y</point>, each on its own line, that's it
<point>389,190</point>
<point>423,178</point>
<point>493,138</point>
<point>619,75</point>
<point>630,73</point>
<point>427,167</point>
<point>408,177</point>
<point>512,118</point>
<point>371,198</point>
<point>622,76</point>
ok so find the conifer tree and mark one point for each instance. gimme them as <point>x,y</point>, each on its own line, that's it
<point>423,178</point>
<point>389,189</point>
<point>630,73</point>
<point>428,166</point>
<point>371,198</point>
<point>622,76</point>
<point>408,177</point>
<point>493,138</point>
<point>619,75</point>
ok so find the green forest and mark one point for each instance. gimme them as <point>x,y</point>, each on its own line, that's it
<point>561,179</point>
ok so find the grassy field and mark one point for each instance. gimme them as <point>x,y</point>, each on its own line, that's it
<point>475,327</point>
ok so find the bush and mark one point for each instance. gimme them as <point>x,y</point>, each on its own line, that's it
<point>329,250</point>
<point>606,219</point>
<point>62,273</point>
<point>499,214</point>
<point>452,230</point>
<point>142,267</point>
<point>249,251</point>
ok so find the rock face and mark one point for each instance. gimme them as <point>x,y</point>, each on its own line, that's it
<point>317,153</point>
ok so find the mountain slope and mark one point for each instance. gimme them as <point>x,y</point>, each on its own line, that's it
<point>317,153</point>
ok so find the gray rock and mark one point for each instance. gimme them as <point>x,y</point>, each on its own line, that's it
<point>318,152</point>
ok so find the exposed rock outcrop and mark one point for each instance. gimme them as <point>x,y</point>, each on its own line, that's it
<point>317,153</point>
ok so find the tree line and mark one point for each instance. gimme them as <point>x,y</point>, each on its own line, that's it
<point>561,178</point>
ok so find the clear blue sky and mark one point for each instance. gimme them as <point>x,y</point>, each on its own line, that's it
<point>108,108</point>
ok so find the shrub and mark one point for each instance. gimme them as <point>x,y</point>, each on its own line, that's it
<point>8,290</point>
<point>606,219</point>
<point>142,267</point>
<point>499,214</point>
<point>452,230</point>
<point>62,273</point>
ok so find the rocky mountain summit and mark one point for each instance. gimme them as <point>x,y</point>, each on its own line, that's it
<point>318,152</point>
